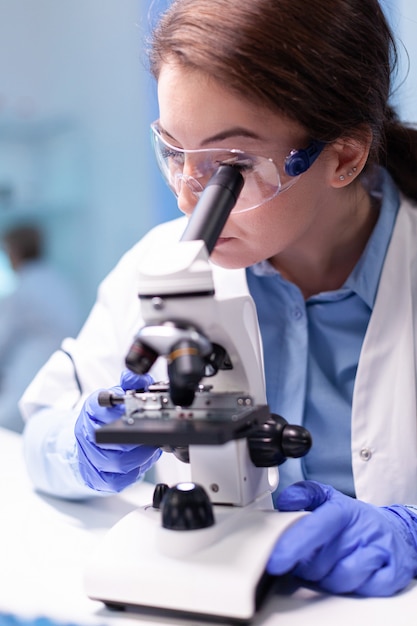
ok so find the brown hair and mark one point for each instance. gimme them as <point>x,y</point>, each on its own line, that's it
<point>324,63</point>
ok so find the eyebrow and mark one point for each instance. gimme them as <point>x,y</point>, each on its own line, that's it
<point>234,132</point>
<point>237,131</point>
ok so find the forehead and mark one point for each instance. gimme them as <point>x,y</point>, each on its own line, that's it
<point>193,107</point>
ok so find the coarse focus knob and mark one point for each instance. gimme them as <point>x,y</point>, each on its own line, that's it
<point>186,506</point>
<point>276,440</point>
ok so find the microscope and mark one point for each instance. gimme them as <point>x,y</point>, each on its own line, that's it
<point>200,548</point>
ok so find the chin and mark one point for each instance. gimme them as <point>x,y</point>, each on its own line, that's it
<point>230,262</point>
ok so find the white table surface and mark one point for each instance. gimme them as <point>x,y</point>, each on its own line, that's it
<point>45,543</point>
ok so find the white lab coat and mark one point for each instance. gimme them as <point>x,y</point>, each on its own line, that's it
<point>384,424</point>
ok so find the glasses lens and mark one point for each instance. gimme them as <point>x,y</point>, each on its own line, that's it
<point>195,168</point>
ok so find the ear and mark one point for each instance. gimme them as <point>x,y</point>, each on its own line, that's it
<point>348,157</point>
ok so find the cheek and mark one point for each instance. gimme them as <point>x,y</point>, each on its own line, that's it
<point>268,230</point>
<point>286,217</point>
<point>247,238</point>
<point>260,234</point>
<point>268,222</point>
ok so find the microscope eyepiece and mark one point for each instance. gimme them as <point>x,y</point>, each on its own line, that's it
<point>214,206</point>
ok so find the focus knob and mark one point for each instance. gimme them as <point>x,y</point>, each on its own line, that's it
<point>275,440</point>
<point>186,506</point>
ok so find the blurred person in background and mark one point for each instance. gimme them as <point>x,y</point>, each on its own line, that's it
<point>34,318</point>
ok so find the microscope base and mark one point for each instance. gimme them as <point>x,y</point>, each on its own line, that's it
<point>216,573</point>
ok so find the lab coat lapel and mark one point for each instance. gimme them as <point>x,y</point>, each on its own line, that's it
<point>384,429</point>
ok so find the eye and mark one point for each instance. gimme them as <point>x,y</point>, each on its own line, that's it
<point>243,162</point>
<point>172,155</point>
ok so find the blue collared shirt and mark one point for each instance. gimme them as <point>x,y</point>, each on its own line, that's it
<point>312,347</point>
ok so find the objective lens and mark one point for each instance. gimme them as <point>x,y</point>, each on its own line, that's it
<point>140,357</point>
<point>185,371</point>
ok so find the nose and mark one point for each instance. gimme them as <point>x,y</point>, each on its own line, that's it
<point>188,191</point>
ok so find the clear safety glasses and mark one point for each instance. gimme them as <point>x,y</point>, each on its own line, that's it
<point>263,178</point>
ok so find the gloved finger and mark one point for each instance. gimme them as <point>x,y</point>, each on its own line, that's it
<point>97,415</point>
<point>93,416</point>
<point>119,461</point>
<point>305,495</point>
<point>341,566</point>
<point>130,380</point>
<point>319,563</point>
<point>85,431</point>
<point>387,580</point>
<point>354,571</point>
<point>104,481</point>
<point>306,537</point>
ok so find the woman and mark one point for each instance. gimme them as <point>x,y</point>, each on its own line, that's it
<point>329,253</point>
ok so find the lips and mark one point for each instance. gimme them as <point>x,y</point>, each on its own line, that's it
<point>222,240</point>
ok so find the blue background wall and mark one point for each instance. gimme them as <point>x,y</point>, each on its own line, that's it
<point>76,101</point>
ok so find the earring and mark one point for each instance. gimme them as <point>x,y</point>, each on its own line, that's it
<point>341,177</point>
<point>352,171</point>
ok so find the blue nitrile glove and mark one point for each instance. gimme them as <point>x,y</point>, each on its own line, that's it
<point>345,545</point>
<point>111,467</point>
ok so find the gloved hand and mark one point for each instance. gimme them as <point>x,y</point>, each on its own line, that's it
<point>346,545</point>
<point>111,467</point>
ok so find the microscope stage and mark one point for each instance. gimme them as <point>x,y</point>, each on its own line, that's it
<point>184,426</point>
